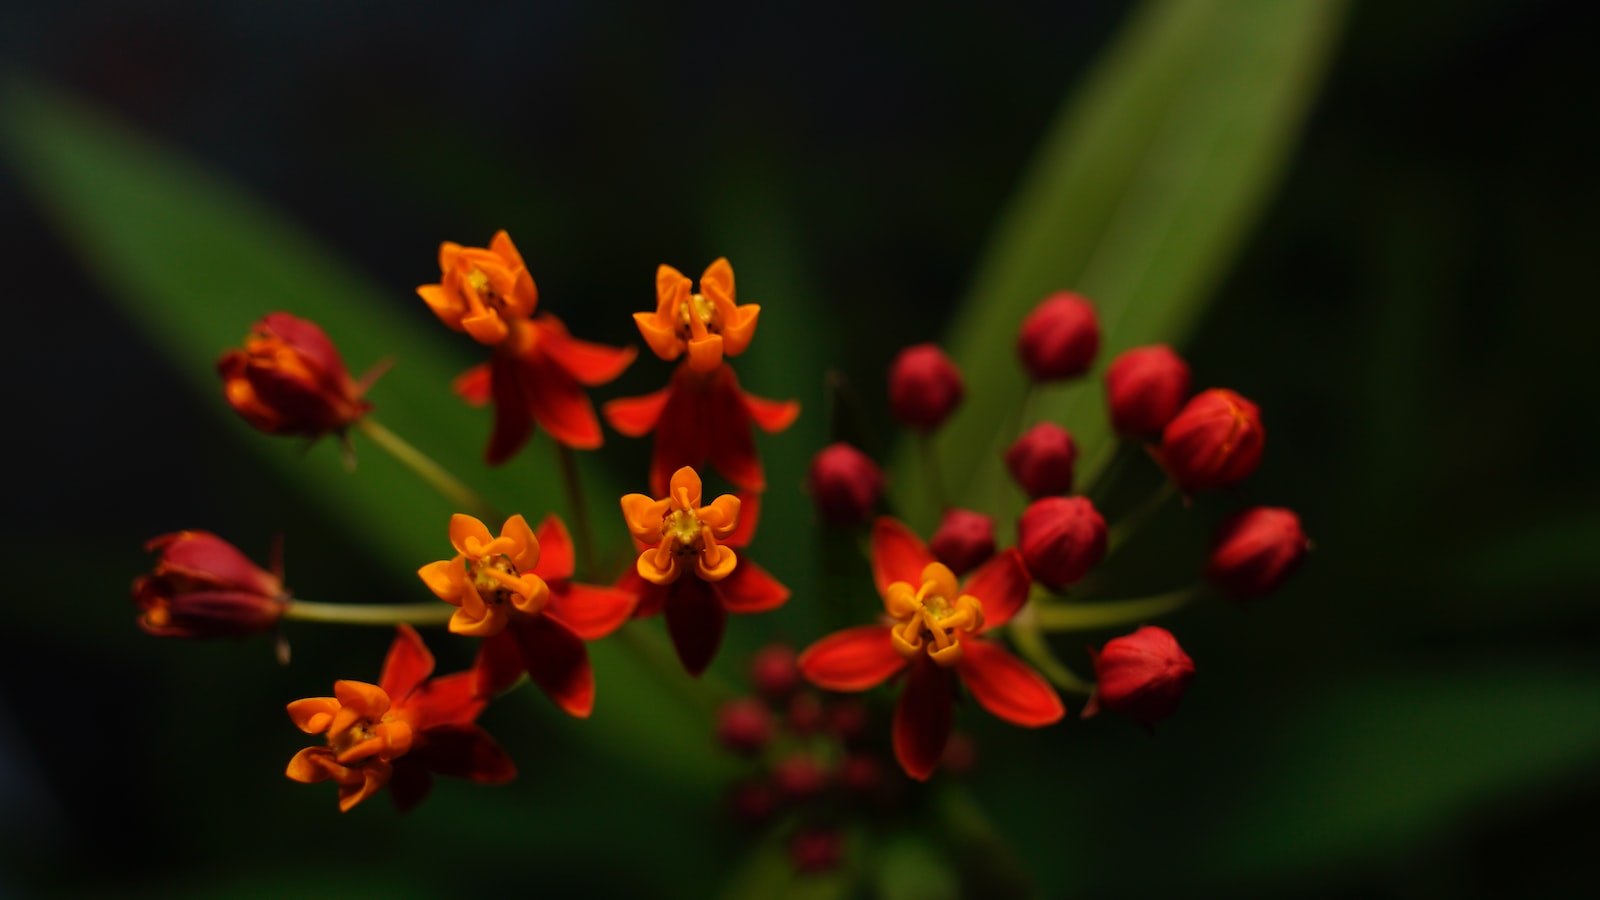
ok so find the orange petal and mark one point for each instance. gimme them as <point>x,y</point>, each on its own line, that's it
<point>442,303</point>
<point>312,765</point>
<point>685,486</point>
<point>644,515</point>
<point>1001,585</point>
<point>524,552</point>
<point>374,775</point>
<point>716,282</point>
<point>468,535</point>
<point>897,554</point>
<point>589,611</point>
<point>722,515</point>
<point>716,562</point>
<point>446,578</point>
<point>922,719</point>
<point>503,247</point>
<point>408,664</point>
<point>659,335</point>
<point>486,327</point>
<point>705,354</point>
<point>1008,687</point>
<point>448,251</point>
<point>313,715</point>
<point>739,328</point>
<point>671,285</point>
<point>852,660</point>
<point>367,700</point>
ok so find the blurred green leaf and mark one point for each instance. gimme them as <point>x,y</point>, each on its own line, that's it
<point>1141,194</point>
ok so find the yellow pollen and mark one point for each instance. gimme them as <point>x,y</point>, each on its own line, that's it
<point>490,588</point>
<point>683,527</point>
<point>481,286</point>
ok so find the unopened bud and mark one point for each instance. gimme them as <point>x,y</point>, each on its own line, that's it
<point>1255,550</point>
<point>1061,539</point>
<point>844,483</point>
<point>1060,338</point>
<point>924,387</point>
<point>1214,441</point>
<point>1145,388</point>
<point>1041,460</point>
<point>1142,676</point>
<point>964,541</point>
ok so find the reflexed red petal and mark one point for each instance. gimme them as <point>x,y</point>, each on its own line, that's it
<point>922,719</point>
<point>513,422</point>
<point>732,444</point>
<point>1001,585</point>
<point>695,620</point>
<point>474,385</point>
<point>588,363</point>
<point>1007,686</point>
<point>750,589</point>
<point>651,596</point>
<point>897,554</point>
<point>448,700</point>
<point>589,611</point>
<point>683,433</point>
<point>410,784</point>
<point>498,665</point>
<point>772,416</point>
<point>558,663</point>
<point>408,664</point>
<point>749,517</point>
<point>852,660</point>
<point>465,751</point>
<point>637,416</point>
<point>555,549</point>
<point>558,402</point>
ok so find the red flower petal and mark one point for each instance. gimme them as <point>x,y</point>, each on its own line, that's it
<point>1006,686</point>
<point>852,660</point>
<point>498,665</point>
<point>558,663</point>
<point>922,719</point>
<point>555,549</point>
<point>410,784</point>
<point>651,596</point>
<point>897,554</point>
<point>558,402</point>
<point>449,700</point>
<point>1001,585</point>
<point>465,751</point>
<point>474,385</point>
<point>749,515</point>
<point>212,561</point>
<point>695,619</point>
<point>732,444</point>
<point>513,421</point>
<point>588,363</point>
<point>588,611</point>
<point>772,416</point>
<point>408,664</point>
<point>749,589</point>
<point>637,416</point>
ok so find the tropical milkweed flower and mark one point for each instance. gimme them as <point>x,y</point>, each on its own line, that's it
<point>398,732</point>
<point>689,571</point>
<point>203,587</point>
<point>934,636</point>
<point>707,325</point>
<point>538,371</point>
<point>515,591</point>
<point>1214,441</point>
<point>290,379</point>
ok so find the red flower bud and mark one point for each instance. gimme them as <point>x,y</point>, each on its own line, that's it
<point>799,777</point>
<point>753,802</point>
<point>1255,550</point>
<point>814,851</point>
<point>844,483</point>
<point>1059,338</point>
<point>773,671</point>
<point>1214,441</point>
<point>203,587</point>
<point>960,754</point>
<point>806,715</point>
<point>1145,388</point>
<point>1041,460</point>
<point>965,540</point>
<point>289,379</point>
<point>924,387</point>
<point>847,720</point>
<point>1061,539</point>
<point>744,726</point>
<point>861,773</point>
<point>1142,676</point>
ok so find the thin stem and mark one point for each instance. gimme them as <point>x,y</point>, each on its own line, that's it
<point>1129,525</point>
<point>435,613</point>
<point>1094,616</point>
<point>1030,641</point>
<point>1101,472</point>
<point>429,471</point>
<point>572,480</point>
<point>930,467</point>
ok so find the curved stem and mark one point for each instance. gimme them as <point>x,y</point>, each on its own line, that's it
<point>1102,471</point>
<point>1094,616</point>
<point>429,471</point>
<point>1030,642</point>
<point>436,613</point>
<point>573,482</point>
<point>1129,525</point>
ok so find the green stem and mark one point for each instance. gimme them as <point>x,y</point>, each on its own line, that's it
<point>1129,525</point>
<point>429,471</point>
<point>1030,641</point>
<point>572,480</point>
<point>930,467</point>
<point>435,613</point>
<point>1102,471</point>
<point>1094,616</point>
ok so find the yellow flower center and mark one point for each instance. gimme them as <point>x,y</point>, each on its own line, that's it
<point>932,617</point>
<point>484,288</point>
<point>497,581</point>
<point>698,317</point>
<point>679,533</point>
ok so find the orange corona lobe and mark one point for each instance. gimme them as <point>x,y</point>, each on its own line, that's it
<point>489,576</point>
<point>290,379</point>
<point>482,290</point>
<point>707,325</point>
<point>680,533</point>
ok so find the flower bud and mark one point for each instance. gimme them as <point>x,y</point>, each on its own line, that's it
<point>1255,550</point>
<point>773,671</point>
<point>203,587</point>
<point>861,773</point>
<point>805,714</point>
<point>1041,460</point>
<point>845,484</point>
<point>1145,388</point>
<point>1061,539</point>
<point>1059,338</point>
<point>960,754</point>
<point>964,541</point>
<point>814,851</point>
<point>1142,676</point>
<point>753,802</point>
<point>744,726</point>
<point>289,379</point>
<point>924,387</point>
<point>1214,441</point>
<point>799,777</point>
<point>847,720</point>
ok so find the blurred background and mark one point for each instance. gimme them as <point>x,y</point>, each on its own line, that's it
<point>1416,714</point>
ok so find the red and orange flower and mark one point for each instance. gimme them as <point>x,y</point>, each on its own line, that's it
<point>707,325</point>
<point>538,371</point>
<point>203,587</point>
<point>516,592</point>
<point>290,379</point>
<point>934,635</point>
<point>689,570</point>
<point>399,732</point>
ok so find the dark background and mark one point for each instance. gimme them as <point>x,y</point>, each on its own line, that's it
<point>1413,311</point>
